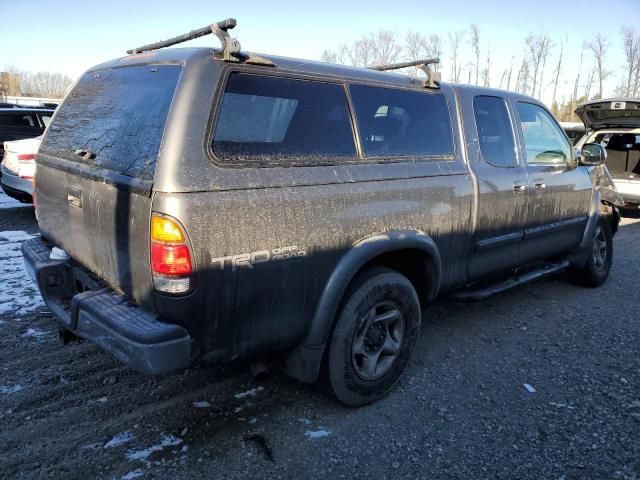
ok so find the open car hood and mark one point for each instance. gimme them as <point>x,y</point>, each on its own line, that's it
<point>610,112</point>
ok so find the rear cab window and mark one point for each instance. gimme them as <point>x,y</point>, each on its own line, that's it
<point>274,121</point>
<point>116,115</point>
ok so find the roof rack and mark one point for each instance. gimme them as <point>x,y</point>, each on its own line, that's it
<point>433,78</point>
<point>230,46</point>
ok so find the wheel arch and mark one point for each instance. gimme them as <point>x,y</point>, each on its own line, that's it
<point>391,249</point>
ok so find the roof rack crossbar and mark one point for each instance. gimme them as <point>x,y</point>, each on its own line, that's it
<point>433,78</point>
<point>230,46</point>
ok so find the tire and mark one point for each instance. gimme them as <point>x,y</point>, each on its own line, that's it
<point>374,336</point>
<point>596,271</point>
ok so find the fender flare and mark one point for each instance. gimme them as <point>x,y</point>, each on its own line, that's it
<point>581,253</point>
<point>304,361</point>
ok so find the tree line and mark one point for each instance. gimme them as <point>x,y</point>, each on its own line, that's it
<point>537,71</point>
<point>33,84</point>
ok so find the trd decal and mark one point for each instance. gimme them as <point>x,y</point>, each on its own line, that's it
<point>254,258</point>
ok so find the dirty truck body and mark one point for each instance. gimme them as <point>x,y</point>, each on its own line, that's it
<point>274,241</point>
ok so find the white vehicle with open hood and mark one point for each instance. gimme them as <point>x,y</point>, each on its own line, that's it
<point>615,124</point>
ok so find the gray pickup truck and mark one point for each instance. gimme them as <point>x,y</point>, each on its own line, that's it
<point>210,205</point>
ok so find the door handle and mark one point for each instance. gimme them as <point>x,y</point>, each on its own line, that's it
<point>519,187</point>
<point>540,186</point>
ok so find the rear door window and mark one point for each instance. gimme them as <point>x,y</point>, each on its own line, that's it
<point>402,123</point>
<point>271,121</point>
<point>495,133</point>
<point>118,116</point>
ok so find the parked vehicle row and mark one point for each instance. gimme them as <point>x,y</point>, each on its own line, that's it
<point>204,204</point>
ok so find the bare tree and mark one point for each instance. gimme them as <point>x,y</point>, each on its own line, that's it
<point>434,49</point>
<point>329,56</point>
<point>456,64</point>
<point>631,44</point>
<point>557,73</point>
<point>589,83</point>
<point>538,48</point>
<point>415,48</point>
<point>44,84</point>
<point>486,73</point>
<point>522,81</point>
<point>510,73</point>
<point>598,46</point>
<point>474,41</point>
<point>361,53</point>
<point>385,47</point>
<point>538,71</point>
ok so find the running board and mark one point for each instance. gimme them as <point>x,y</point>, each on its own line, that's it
<point>475,294</point>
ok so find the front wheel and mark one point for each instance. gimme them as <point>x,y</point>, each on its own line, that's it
<point>596,271</point>
<point>374,337</point>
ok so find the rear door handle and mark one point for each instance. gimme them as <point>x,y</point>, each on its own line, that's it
<point>540,186</point>
<point>519,187</point>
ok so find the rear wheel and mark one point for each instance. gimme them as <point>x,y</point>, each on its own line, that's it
<point>596,271</point>
<point>374,336</point>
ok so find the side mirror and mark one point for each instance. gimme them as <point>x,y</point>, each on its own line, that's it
<point>592,155</point>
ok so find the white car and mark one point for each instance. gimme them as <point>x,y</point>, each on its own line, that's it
<point>19,168</point>
<point>615,124</point>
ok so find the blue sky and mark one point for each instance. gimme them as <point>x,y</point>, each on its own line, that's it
<point>72,35</point>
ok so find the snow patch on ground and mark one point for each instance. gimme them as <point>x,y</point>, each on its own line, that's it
<point>317,433</point>
<point>133,474</point>
<point>8,202</point>
<point>6,389</point>
<point>142,455</point>
<point>249,393</point>
<point>202,404</point>
<point>35,333</point>
<point>119,439</point>
<point>18,294</point>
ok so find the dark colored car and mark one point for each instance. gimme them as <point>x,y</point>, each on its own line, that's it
<point>204,204</point>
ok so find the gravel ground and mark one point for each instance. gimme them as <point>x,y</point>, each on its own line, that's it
<point>462,409</point>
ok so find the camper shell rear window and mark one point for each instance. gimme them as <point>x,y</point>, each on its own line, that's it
<point>114,119</point>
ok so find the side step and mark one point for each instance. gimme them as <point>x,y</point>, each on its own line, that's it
<point>475,294</point>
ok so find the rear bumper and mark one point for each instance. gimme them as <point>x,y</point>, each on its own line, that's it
<point>16,187</point>
<point>130,333</point>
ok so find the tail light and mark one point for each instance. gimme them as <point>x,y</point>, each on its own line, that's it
<point>171,263</point>
<point>27,162</point>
